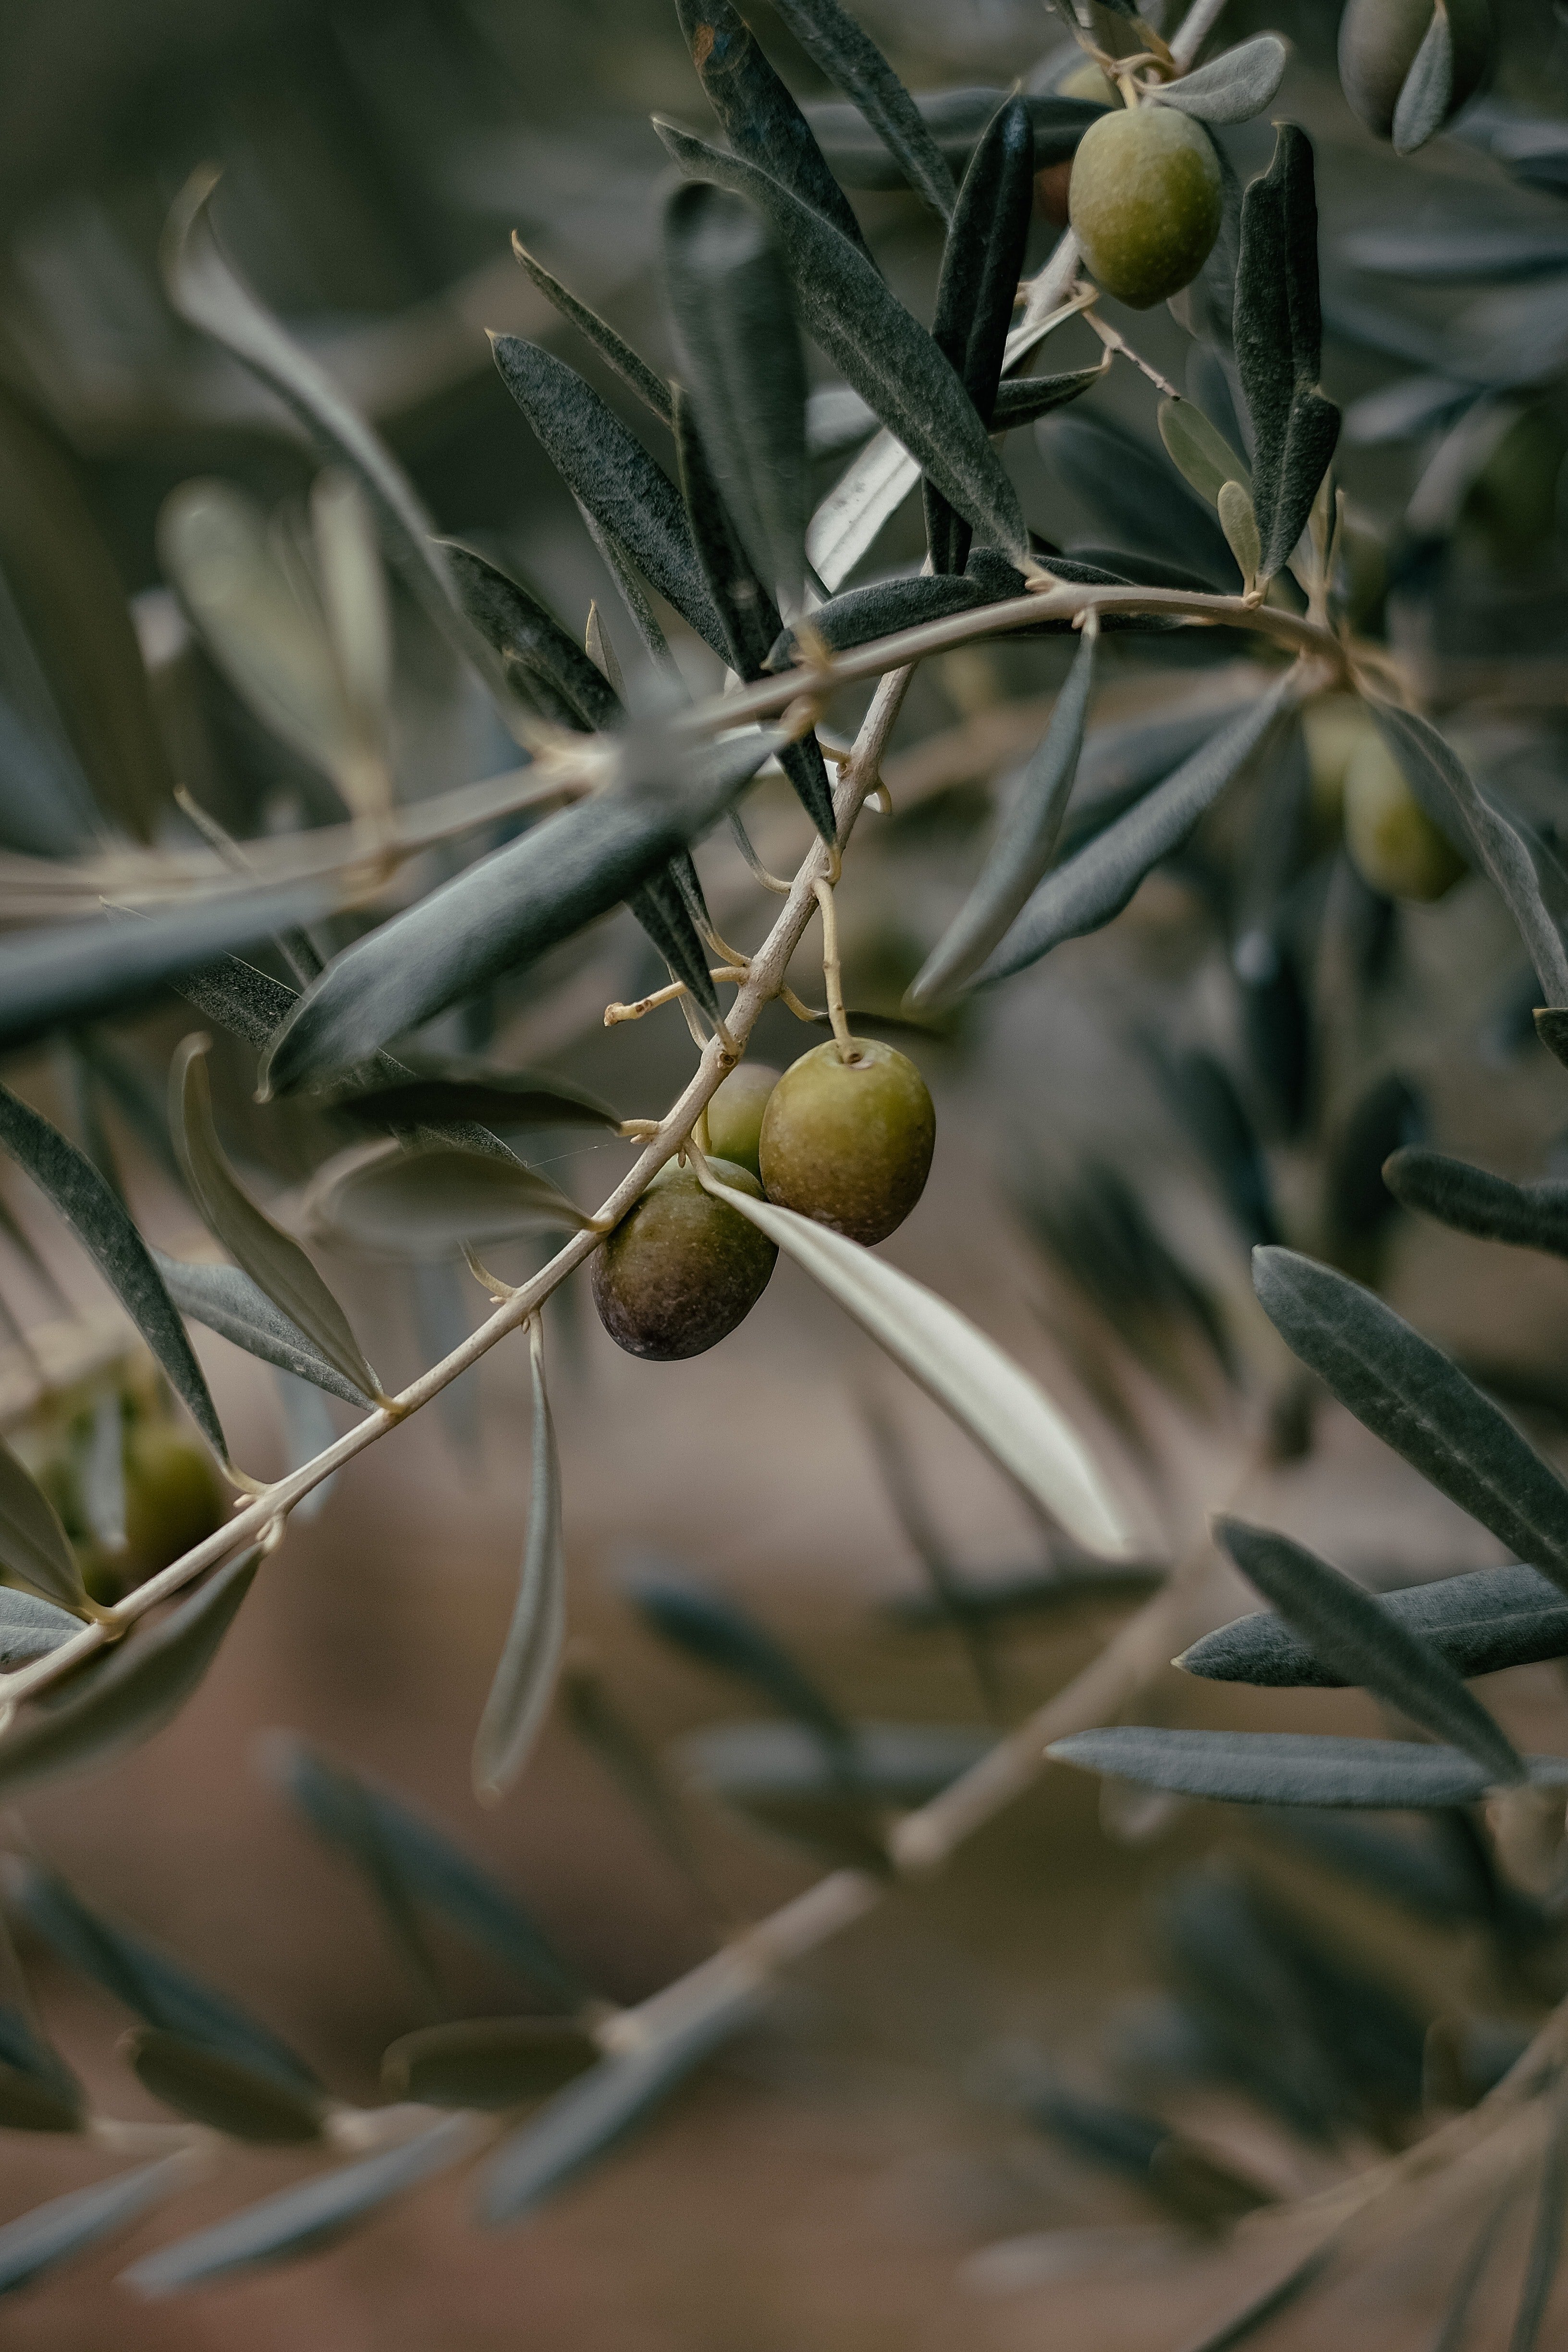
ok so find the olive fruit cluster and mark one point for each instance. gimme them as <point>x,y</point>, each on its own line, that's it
<point>1144,202</point>
<point>1378,41</point>
<point>844,1138</point>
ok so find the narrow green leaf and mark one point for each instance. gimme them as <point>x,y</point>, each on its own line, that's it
<point>968,1375</point>
<point>1023,399</point>
<point>1482,1621</point>
<point>35,1549</point>
<point>156,1988</point>
<point>1092,889</point>
<point>1278,345</point>
<point>875,345</point>
<point>849,58</point>
<point>613,475</point>
<point>730,296</point>
<point>664,914</point>
<point>68,2225</point>
<point>1233,87</point>
<point>31,1628</point>
<point>860,614</point>
<point>228,1302</point>
<point>379,1831</point>
<point>1239,525</point>
<point>895,1765</point>
<point>1024,843</point>
<point>957,120</point>
<point>299,2219</point>
<point>451,1093</point>
<point>427,1201</point>
<point>1136,500</point>
<point>504,911</point>
<point>1199,451</point>
<point>359,634</point>
<point>487,2062</point>
<point>1450,796</point>
<point>1408,1394</point>
<point>222,2091</point>
<point>1428,87</point>
<point>1473,1201</point>
<point>142,1686</point>
<point>273,1260</point>
<point>583,2121</point>
<point>1285,1768</point>
<point>760,119</point>
<point>521,631</point>
<point>531,1657</point>
<point>649,388</point>
<point>1361,1642</point>
<point>717,1630</point>
<point>1552,2199</point>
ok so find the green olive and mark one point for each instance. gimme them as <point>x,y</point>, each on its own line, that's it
<point>1087,80</point>
<point>735,1114</point>
<point>1392,842</point>
<point>1335,726</point>
<point>174,1497</point>
<point>1378,41</point>
<point>1145,202</point>
<point>680,1270</point>
<point>849,1142</point>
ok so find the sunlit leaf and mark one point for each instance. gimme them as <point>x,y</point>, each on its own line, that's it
<point>273,1260</point>
<point>487,2062</point>
<point>140,1689</point>
<point>1362,1642</point>
<point>220,2090</point>
<point>649,388</point>
<point>1239,524</point>
<point>427,1201</point>
<point>312,2214</point>
<point>1233,87</point>
<point>530,1658</point>
<point>68,2225</point>
<point>1410,1394</point>
<point>1024,843</point>
<point>849,58</point>
<point>1482,1621</point>
<point>866,496</point>
<point>1283,1768</point>
<point>969,1376</point>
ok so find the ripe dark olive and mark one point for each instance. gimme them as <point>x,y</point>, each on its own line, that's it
<point>680,1270</point>
<point>1145,202</point>
<point>1378,41</point>
<point>735,1114</point>
<point>1392,842</point>
<point>849,1143</point>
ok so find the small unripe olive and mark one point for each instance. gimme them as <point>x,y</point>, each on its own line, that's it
<point>1145,203</point>
<point>849,1142</point>
<point>1392,842</point>
<point>1378,41</point>
<point>173,1500</point>
<point>735,1114</point>
<point>681,1269</point>
<point>1335,727</point>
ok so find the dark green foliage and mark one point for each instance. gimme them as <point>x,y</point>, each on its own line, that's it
<point>1282,1768</point>
<point>855,615</point>
<point>227,1301</point>
<point>1137,498</point>
<point>649,388</point>
<point>522,632</point>
<point>664,916</point>
<point>850,59</point>
<point>222,2091</point>
<point>446,1094</point>
<point>1473,1201</point>
<point>1279,332</point>
<point>1479,1622</point>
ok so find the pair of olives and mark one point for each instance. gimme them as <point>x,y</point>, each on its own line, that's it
<point>1393,842</point>
<point>1378,42</point>
<point>845,1140</point>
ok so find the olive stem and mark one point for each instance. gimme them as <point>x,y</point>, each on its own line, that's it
<point>1115,342</point>
<point>832,971</point>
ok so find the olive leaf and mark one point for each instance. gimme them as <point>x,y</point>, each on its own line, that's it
<point>664,914</point>
<point>1362,1642</point>
<point>522,632</point>
<point>1408,1394</point>
<point>505,910</point>
<point>452,1093</point>
<point>860,614</point>
<point>229,1302</point>
<point>981,266</point>
<point>1454,803</point>
<point>1023,400</point>
<point>140,1689</point>
<point>382,1835</point>
<point>109,965</point>
<point>1239,524</point>
<point>875,345</point>
<point>1132,494</point>
<point>308,2215</point>
<point>770,1767</point>
<point>274,1261</point>
<point>1473,1201</point>
<point>67,2225</point>
<point>1456,252</point>
<point>1480,1621</point>
<point>222,2091</point>
<point>1199,451</point>
<point>30,1627</point>
<point>159,1990</point>
<point>530,1656</point>
<point>716,1630</point>
<point>596,2111</point>
<point>866,496</point>
<point>486,2062</point>
<point>426,1200</point>
<point>849,58</point>
<point>1002,1409</point>
<point>1092,887</point>
<point>760,119</point>
<point>209,295</point>
<point>1231,88</point>
<point>35,1549</point>
<point>1024,843</point>
<point>1428,85</point>
<point>1285,1768</point>
<point>650,389</point>
<point>1278,346</point>
<point>729,297</point>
